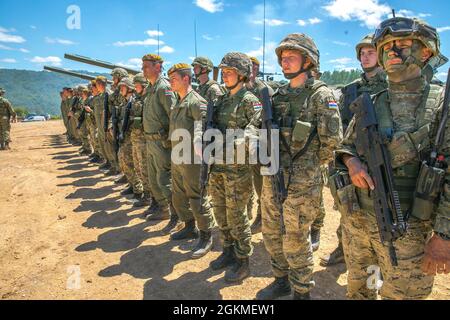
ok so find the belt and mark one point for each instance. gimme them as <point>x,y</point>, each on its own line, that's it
<point>153,137</point>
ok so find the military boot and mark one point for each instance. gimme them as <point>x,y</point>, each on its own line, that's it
<point>238,271</point>
<point>121,180</point>
<point>143,201</point>
<point>203,246</point>
<point>279,288</point>
<point>189,231</point>
<point>226,259</point>
<point>315,238</point>
<point>301,296</point>
<point>111,172</point>
<point>257,224</point>
<point>105,166</point>
<point>95,159</point>
<point>335,257</point>
<point>127,191</point>
<point>174,223</point>
<point>158,212</point>
<point>7,147</point>
<point>2,146</point>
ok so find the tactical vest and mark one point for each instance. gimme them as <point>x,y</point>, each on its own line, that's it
<point>287,114</point>
<point>407,148</point>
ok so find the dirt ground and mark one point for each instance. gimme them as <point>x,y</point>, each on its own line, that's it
<point>66,233</point>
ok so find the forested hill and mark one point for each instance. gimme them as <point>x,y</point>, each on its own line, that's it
<point>37,91</point>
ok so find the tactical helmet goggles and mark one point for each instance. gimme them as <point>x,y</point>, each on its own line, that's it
<point>400,27</point>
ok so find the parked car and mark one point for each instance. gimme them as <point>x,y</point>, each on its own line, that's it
<point>34,118</point>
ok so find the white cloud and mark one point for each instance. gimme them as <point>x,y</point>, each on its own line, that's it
<point>133,63</point>
<point>60,41</point>
<point>3,47</point>
<point>272,22</point>
<point>8,60</point>
<point>207,37</point>
<point>310,21</point>
<point>314,20</point>
<point>341,61</point>
<point>54,61</point>
<point>191,58</point>
<point>147,42</point>
<point>154,33</point>
<point>369,12</point>
<point>257,38</point>
<point>442,29</point>
<point>5,36</point>
<point>24,50</point>
<point>271,60</point>
<point>424,15</point>
<point>167,49</point>
<point>33,27</point>
<point>341,43</point>
<point>211,6</point>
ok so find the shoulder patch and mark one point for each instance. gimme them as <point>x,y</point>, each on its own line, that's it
<point>332,104</point>
<point>168,92</point>
<point>257,106</point>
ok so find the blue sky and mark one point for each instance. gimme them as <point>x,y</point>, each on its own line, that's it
<point>34,33</point>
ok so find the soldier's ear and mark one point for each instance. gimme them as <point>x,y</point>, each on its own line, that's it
<point>426,54</point>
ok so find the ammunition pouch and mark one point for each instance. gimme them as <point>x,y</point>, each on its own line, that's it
<point>301,133</point>
<point>429,186</point>
<point>344,192</point>
<point>406,147</point>
<point>137,122</point>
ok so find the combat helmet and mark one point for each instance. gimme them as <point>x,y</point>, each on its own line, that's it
<point>127,82</point>
<point>204,63</point>
<point>139,78</point>
<point>239,62</point>
<point>367,41</point>
<point>300,42</point>
<point>119,73</point>
<point>406,28</point>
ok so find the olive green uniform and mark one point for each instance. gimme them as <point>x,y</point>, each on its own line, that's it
<point>189,114</point>
<point>158,103</point>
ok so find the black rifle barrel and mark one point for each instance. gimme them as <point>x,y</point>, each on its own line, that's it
<point>98,63</point>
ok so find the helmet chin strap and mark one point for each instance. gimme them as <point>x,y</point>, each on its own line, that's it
<point>294,75</point>
<point>235,85</point>
<point>369,69</point>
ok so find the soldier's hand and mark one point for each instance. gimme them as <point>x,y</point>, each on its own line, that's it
<point>437,256</point>
<point>88,109</point>
<point>358,173</point>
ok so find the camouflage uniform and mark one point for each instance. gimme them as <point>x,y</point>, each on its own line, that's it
<point>231,184</point>
<point>157,105</point>
<point>64,115</point>
<point>125,153</point>
<point>73,121</point>
<point>409,108</point>
<point>349,93</point>
<point>210,90</point>
<point>140,160</point>
<point>83,130</point>
<point>92,127</point>
<point>256,168</point>
<point>313,103</point>
<point>6,113</point>
<point>104,139</point>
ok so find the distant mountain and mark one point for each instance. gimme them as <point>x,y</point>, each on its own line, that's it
<point>38,91</point>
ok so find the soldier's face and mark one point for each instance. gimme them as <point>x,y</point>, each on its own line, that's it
<point>139,87</point>
<point>151,69</point>
<point>291,61</point>
<point>197,69</point>
<point>123,91</point>
<point>255,70</point>
<point>177,83</point>
<point>230,77</point>
<point>94,90</point>
<point>368,56</point>
<point>116,80</point>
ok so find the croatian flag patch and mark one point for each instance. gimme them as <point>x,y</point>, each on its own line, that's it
<point>257,106</point>
<point>168,92</point>
<point>332,105</point>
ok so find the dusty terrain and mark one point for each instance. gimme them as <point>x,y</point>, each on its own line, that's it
<point>66,233</point>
